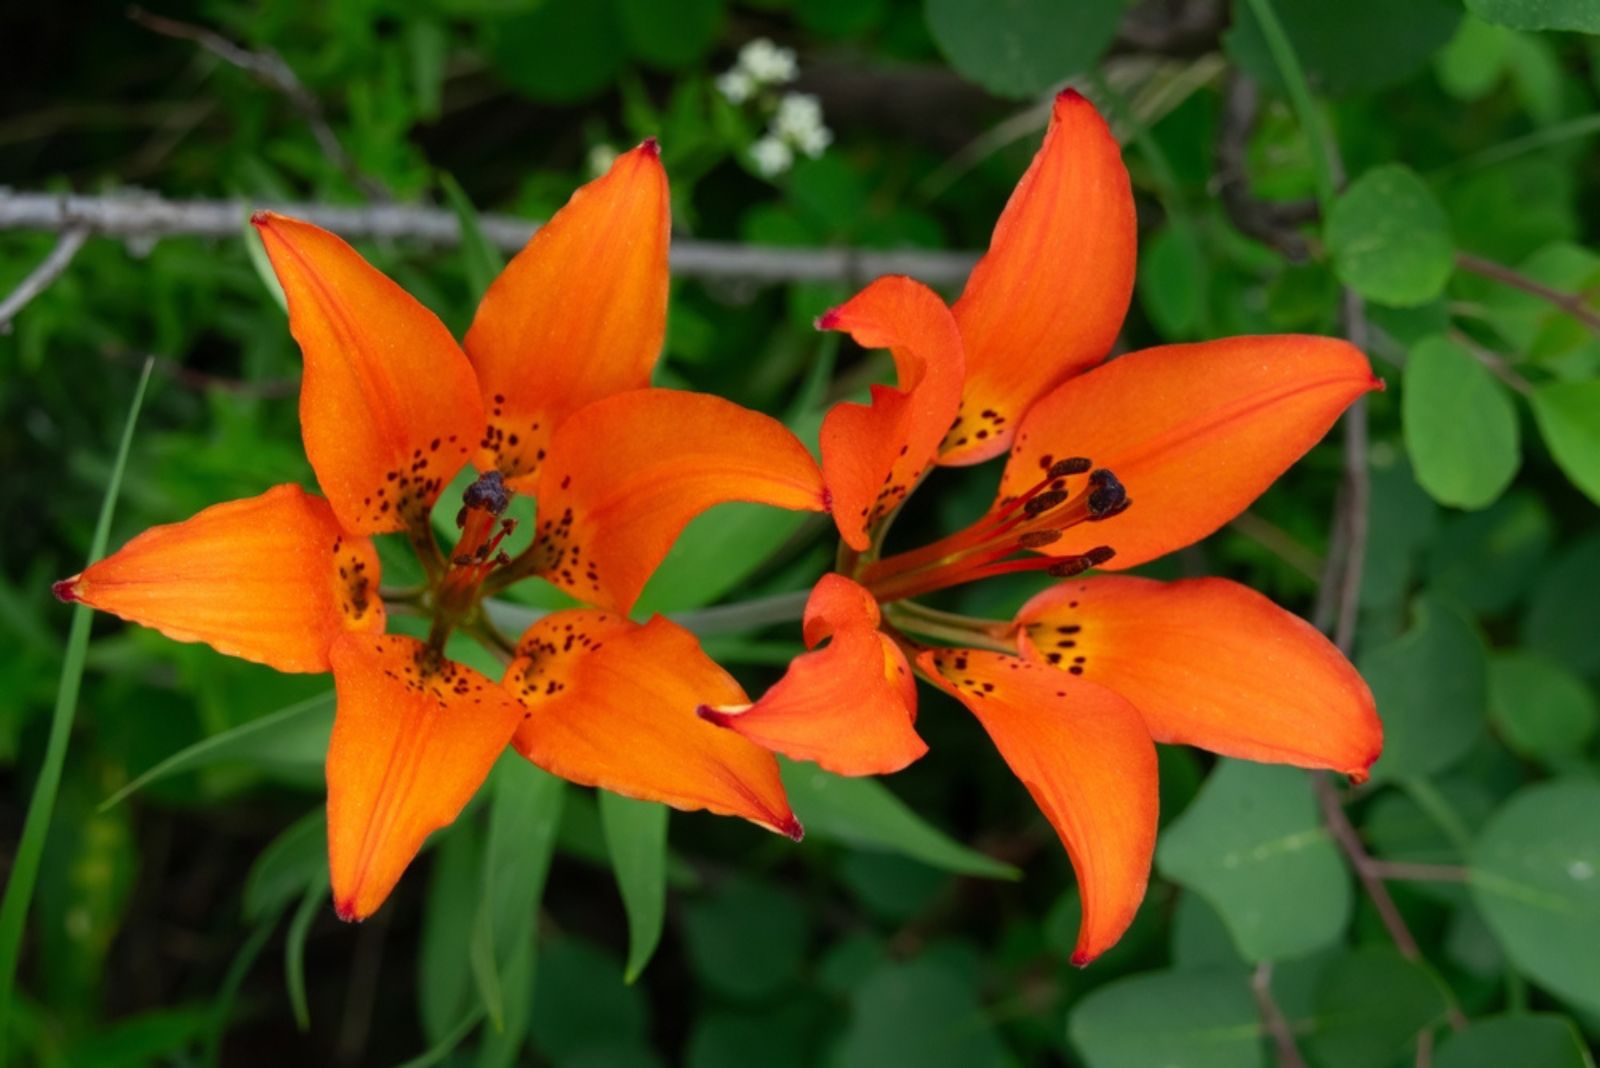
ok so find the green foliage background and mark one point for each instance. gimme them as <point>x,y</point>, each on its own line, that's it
<point>188,923</point>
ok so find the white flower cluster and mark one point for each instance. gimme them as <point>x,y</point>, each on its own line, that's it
<point>796,124</point>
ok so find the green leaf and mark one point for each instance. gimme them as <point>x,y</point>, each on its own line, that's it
<point>1483,561</point>
<point>1429,684</point>
<point>1579,15</point>
<point>1543,1040</point>
<point>580,1004</point>
<point>294,949</point>
<point>263,265</point>
<point>444,972</point>
<point>746,940</point>
<point>1564,614</point>
<point>1349,46</point>
<point>636,837</point>
<point>290,863</point>
<point>1536,878</point>
<point>35,826</point>
<point>1201,1018</point>
<point>1253,845</point>
<point>1390,239</point>
<point>159,1037</point>
<point>1370,1007</point>
<point>1020,48</point>
<point>866,814</point>
<point>1541,709</point>
<point>502,1048</point>
<point>1460,425</point>
<point>482,260</point>
<point>671,36</point>
<point>295,734</point>
<point>717,551</point>
<point>560,51</point>
<point>228,990</point>
<point>781,1037</point>
<point>1172,274</point>
<point>921,1013</point>
<point>1569,418</point>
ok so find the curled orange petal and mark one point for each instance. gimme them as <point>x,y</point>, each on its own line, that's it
<point>848,706</point>
<point>1047,300</point>
<point>413,737</point>
<point>1211,663</point>
<point>1194,433</point>
<point>269,578</point>
<point>389,406</point>
<point>1085,756</point>
<point>627,473</point>
<point>612,703</point>
<point>872,455</point>
<point>577,315</point>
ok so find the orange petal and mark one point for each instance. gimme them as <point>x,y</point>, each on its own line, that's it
<point>413,738</point>
<point>849,706</point>
<point>577,315</point>
<point>389,407</point>
<point>626,473</point>
<point>268,578</point>
<point>1211,663</point>
<point>873,455</point>
<point>612,704</point>
<point>1048,298</point>
<point>1085,756</point>
<point>1195,432</point>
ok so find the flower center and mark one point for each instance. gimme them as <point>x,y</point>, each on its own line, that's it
<point>476,554</point>
<point>1031,521</point>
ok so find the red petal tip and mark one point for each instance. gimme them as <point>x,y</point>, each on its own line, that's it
<point>828,320</point>
<point>1377,384</point>
<point>1070,96</point>
<point>791,829</point>
<point>1080,959</point>
<point>258,219</point>
<point>66,590</point>
<point>711,715</point>
<point>346,911</point>
<point>650,147</point>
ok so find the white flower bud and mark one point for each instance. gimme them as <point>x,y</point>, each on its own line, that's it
<point>771,156</point>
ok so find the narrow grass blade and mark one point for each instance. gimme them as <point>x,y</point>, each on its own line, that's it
<point>294,951</point>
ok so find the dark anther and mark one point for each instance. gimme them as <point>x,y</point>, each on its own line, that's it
<point>1106,495</point>
<point>1072,465</point>
<point>489,493</point>
<point>1077,565</point>
<point>1121,507</point>
<point>1038,539</point>
<point>1099,555</point>
<point>1044,502</point>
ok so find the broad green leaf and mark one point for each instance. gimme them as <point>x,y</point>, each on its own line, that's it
<point>1537,330</point>
<point>1429,684</point>
<point>747,940</point>
<point>1536,877</point>
<point>1200,940</point>
<point>866,814</point>
<point>455,888</point>
<point>1460,425</point>
<point>1541,709</point>
<point>1172,274</point>
<point>557,51</point>
<point>1564,614</point>
<point>1580,15</point>
<point>1403,521</point>
<point>291,862</point>
<point>636,838</point>
<point>782,1037</point>
<point>580,1003</point>
<point>1542,1040</point>
<point>482,260</point>
<point>1396,827</point>
<point>921,1013</point>
<point>671,36</point>
<point>1389,238</point>
<point>1473,62</point>
<point>1484,561</point>
<point>718,550</point>
<point>1201,1018</point>
<point>1253,845</point>
<point>1020,48</point>
<point>1371,1004</point>
<point>1569,419</point>
<point>502,1047</point>
<point>1349,46</point>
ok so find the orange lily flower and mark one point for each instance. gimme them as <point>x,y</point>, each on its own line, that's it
<point>1109,466</point>
<point>549,396</point>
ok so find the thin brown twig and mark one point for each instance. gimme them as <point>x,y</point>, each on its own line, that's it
<point>1276,1023</point>
<point>1494,362</point>
<point>1573,304</point>
<point>270,70</point>
<point>1279,542</point>
<point>38,280</point>
<point>1406,871</point>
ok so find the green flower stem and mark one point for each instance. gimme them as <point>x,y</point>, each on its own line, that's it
<point>1294,80</point>
<point>25,868</point>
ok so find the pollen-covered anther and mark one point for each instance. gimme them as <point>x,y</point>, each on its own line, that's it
<point>1069,566</point>
<point>1044,502</point>
<point>1107,495</point>
<point>1038,539</point>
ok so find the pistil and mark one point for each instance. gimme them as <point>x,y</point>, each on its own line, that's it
<point>477,553</point>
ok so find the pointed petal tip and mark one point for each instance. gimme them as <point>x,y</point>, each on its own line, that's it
<point>791,829</point>
<point>713,715</point>
<point>1082,958</point>
<point>263,219</point>
<point>1070,96</point>
<point>345,908</point>
<point>650,147</point>
<point>828,320</point>
<point>66,590</point>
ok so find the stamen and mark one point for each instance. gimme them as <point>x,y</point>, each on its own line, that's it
<point>1107,496</point>
<point>1044,502</point>
<point>1038,539</point>
<point>1077,565</point>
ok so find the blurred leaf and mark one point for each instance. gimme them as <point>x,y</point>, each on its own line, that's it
<point>1389,238</point>
<point>1172,274</point>
<point>717,551</point>
<point>1429,684</point>
<point>294,948</point>
<point>1205,1018</point>
<point>1351,46</point>
<point>1538,331</point>
<point>1460,425</point>
<point>502,1047</point>
<point>1474,61</point>
<point>671,36</point>
<point>144,1039</point>
<point>560,51</point>
<point>1020,48</point>
<point>290,863</point>
<point>1482,561</point>
<point>1371,1004</point>
<point>1536,876</point>
<point>263,266</point>
<point>636,838</point>
<point>482,260</point>
<point>1253,845</point>
<point>228,990</point>
<point>455,888</point>
<point>580,1003</point>
<point>865,814</point>
<point>890,885</point>
<point>1569,418</point>
<point>920,1014</point>
<point>747,939</point>
<point>1543,711</point>
<point>777,1038</point>
<point>1543,1040</point>
<point>1580,15</point>
<point>1200,940</point>
<point>1564,614</point>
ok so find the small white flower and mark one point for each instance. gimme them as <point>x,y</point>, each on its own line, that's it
<point>814,141</point>
<point>767,63</point>
<point>736,85</point>
<point>799,116</point>
<point>601,157</point>
<point>771,156</point>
